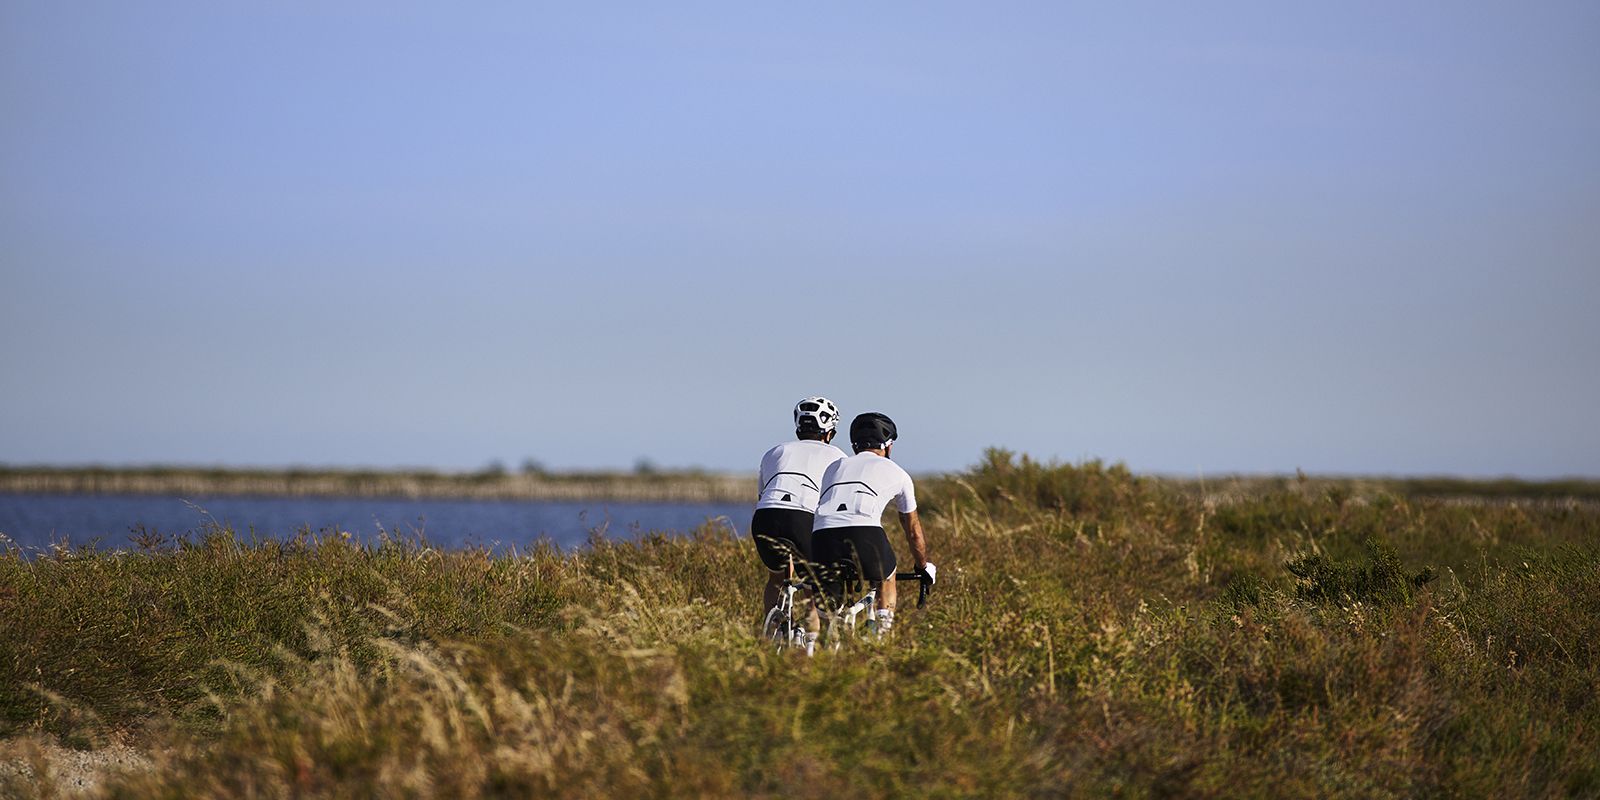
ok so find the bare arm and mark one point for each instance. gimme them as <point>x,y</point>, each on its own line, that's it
<point>912,525</point>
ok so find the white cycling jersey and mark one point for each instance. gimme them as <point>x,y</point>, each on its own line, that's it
<point>855,491</point>
<point>791,474</point>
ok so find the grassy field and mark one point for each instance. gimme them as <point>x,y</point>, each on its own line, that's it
<point>1094,634</point>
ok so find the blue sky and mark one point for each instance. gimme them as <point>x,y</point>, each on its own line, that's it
<point>1232,237</point>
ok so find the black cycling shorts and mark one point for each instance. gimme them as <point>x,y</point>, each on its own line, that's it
<point>844,548</point>
<point>780,532</point>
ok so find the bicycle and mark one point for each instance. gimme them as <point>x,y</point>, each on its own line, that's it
<point>842,620</point>
<point>784,624</point>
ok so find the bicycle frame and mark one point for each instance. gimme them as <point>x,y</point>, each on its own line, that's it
<point>845,616</point>
<point>783,625</point>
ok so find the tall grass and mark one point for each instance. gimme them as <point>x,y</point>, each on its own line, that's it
<point>1094,633</point>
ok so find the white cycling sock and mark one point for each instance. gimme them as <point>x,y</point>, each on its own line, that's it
<point>885,619</point>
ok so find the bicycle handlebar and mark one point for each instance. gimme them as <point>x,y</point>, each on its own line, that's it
<point>925,583</point>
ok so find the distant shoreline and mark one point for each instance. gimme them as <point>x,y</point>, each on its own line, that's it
<point>681,486</point>
<point>666,487</point>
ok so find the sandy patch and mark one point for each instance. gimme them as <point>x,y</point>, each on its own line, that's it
<point>73,773</point>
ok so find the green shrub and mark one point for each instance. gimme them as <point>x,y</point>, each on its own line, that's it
<point>1379,578</point>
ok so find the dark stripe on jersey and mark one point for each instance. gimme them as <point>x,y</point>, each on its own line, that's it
<point>809,482</point>
<point>870,490</point>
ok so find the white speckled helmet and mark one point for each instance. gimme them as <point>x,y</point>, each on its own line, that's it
<point>815,415</point>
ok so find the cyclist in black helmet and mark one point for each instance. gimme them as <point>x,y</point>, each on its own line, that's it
<point>791,480</point>
<point>848,533</point>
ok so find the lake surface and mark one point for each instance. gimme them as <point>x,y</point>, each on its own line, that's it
<point>36,521</point>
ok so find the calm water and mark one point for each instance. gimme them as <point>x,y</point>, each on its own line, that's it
<point>34,521</point>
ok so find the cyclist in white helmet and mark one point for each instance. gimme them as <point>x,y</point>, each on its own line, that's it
<point>849,536</point>
<point>791,481</point>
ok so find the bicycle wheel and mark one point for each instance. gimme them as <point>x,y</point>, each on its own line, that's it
<point>777,627</point>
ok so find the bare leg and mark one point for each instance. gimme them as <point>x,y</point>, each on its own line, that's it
<point>769,597</point>
<point>813,619</point>
<point>886,593</point>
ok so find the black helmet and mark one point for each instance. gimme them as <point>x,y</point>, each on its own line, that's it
<point>871,431</point>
